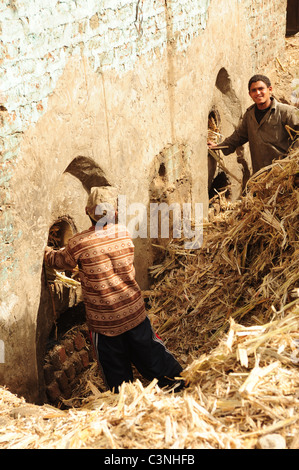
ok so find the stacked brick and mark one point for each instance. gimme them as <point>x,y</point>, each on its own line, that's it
<point>65,364</point>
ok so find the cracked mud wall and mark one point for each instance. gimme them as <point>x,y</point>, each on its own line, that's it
<point>110,87</point>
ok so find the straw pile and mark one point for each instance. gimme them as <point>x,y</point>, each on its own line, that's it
<point>247,268</point>
<point>246,390</point>
<point>230,314</point>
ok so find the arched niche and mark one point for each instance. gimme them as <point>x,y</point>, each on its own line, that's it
<point>68,216</point>
<point>224,115</point>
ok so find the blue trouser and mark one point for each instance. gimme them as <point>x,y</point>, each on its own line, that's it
<point>141,347</point>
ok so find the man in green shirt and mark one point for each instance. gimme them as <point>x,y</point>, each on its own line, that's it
<point>264,125</point>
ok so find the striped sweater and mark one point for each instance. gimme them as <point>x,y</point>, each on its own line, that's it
<point>112,297</point>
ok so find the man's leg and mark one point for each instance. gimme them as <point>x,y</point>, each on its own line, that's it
<point>151,357</point>
<point>113,356</point>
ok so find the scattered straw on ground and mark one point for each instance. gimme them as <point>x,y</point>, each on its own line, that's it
<point>245,389</point>
<point>230,314</point>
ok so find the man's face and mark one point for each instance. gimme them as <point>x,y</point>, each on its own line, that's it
<point>260,94</point>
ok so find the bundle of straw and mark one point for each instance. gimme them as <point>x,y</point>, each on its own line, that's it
<point>246,269</point>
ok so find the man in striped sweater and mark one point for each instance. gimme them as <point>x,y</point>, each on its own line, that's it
<point>115,311</point>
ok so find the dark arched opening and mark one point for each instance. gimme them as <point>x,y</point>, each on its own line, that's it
<point>63,344</point>
<point>217,178</point>
<point>88,172</point>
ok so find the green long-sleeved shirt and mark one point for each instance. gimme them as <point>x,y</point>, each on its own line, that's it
<point>269,139</point>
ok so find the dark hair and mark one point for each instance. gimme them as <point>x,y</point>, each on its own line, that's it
<point>259,78</point>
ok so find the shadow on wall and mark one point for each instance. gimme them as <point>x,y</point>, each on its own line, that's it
<point>56,297</point>
<point>88,172</point>
<point>225,113</point>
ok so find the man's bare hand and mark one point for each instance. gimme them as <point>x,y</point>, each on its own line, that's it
<point>212,145</point>
<point>48,249</point>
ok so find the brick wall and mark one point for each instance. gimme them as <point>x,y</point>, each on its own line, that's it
<point>38,37</point>
<point>266,24</point>
<point>36,41</point>
<point>148,65</point>
<point>66,362</point>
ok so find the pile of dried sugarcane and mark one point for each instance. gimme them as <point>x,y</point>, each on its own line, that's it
<point>246,390</point>
<point>246,269</point>
<point>230,311</point>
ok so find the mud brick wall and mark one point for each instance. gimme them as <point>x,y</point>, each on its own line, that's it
<point>37,39</point>
<point>66,362</point>
<point>111,83</point>
<point>266,20</point>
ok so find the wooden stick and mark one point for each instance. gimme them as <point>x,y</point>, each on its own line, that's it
<point>218,159</point>
<point>219,148</point>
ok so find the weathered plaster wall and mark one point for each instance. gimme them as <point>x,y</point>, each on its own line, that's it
<point>115,84</point>
<point>267,27</point>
